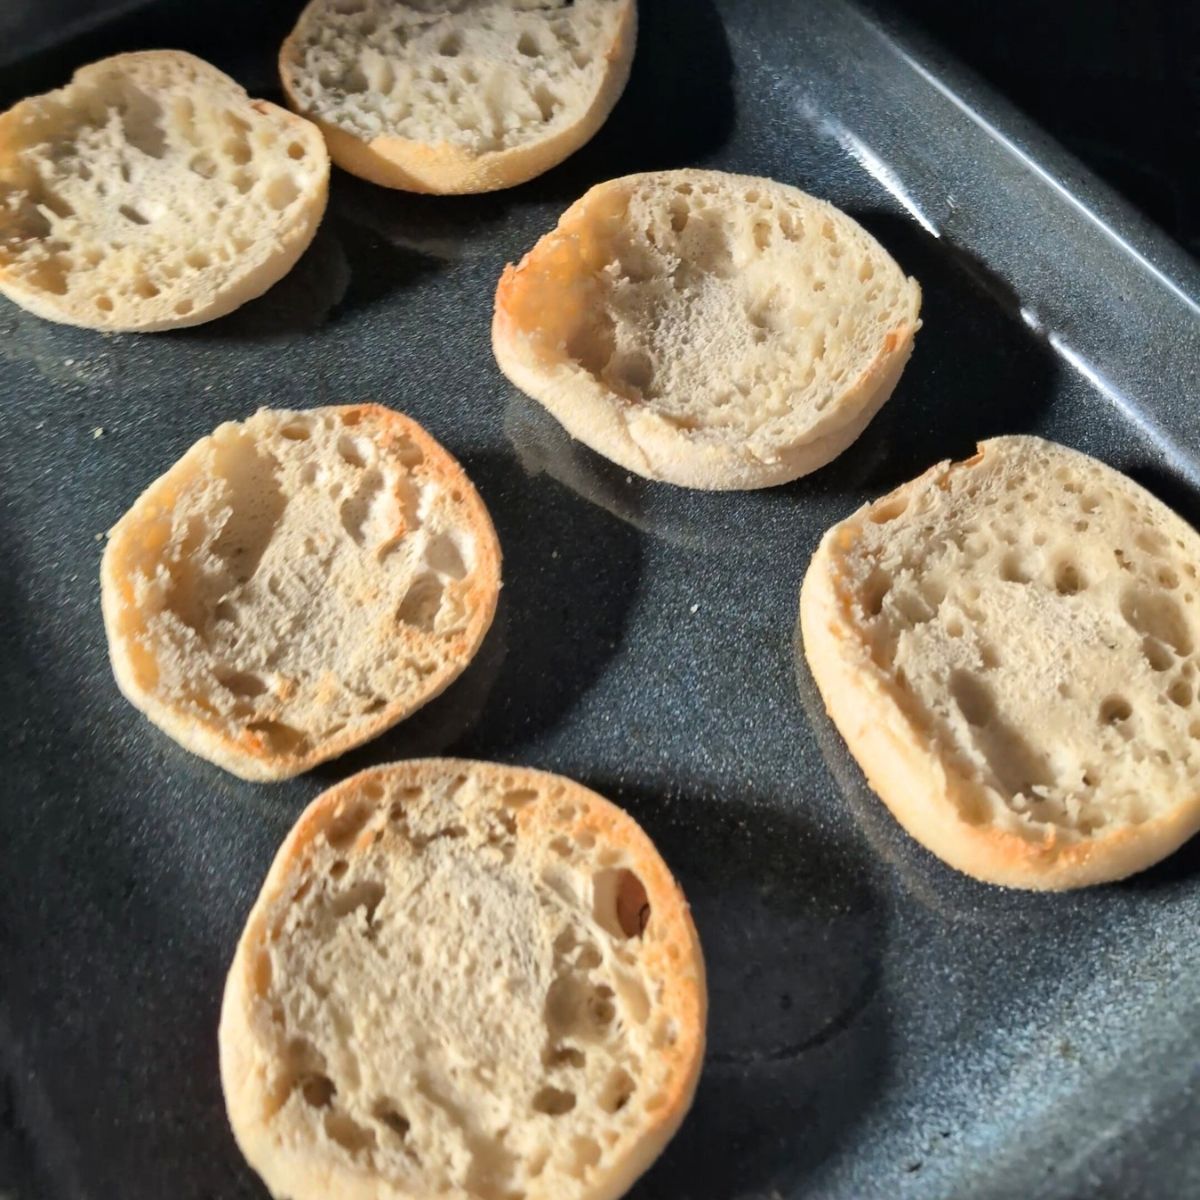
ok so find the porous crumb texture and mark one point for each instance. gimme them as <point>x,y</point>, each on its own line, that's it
<point>297,583</point>
<point>463,980</point>
<point>152,192</point>
<point>1038,616</point>
<point>480,77</point>
<point>728,311</point>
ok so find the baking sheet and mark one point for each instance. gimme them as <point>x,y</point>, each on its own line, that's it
<point>880,1027</point>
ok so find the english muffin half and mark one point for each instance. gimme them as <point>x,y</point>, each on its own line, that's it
<point>296,584</point>
<point>466,97</point>
<point>710,330</point>
<point>462,979</point>
<point>151,193</point>
<point>1009,647</point>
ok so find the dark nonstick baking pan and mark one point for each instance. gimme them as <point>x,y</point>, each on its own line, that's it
<point>880,1026</point>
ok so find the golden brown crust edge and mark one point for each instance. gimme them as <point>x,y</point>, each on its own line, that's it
<point>447,170</point>
<point>590,414</point>
<point>904,769</point>
<point>249,757</point>
<point>254,281</point>
<point>240,1073</point>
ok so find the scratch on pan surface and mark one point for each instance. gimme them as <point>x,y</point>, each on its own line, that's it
<point>882,174</point>
<point>1095,377</point>
<point>1033,165</point>
<point>1104,386</point>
